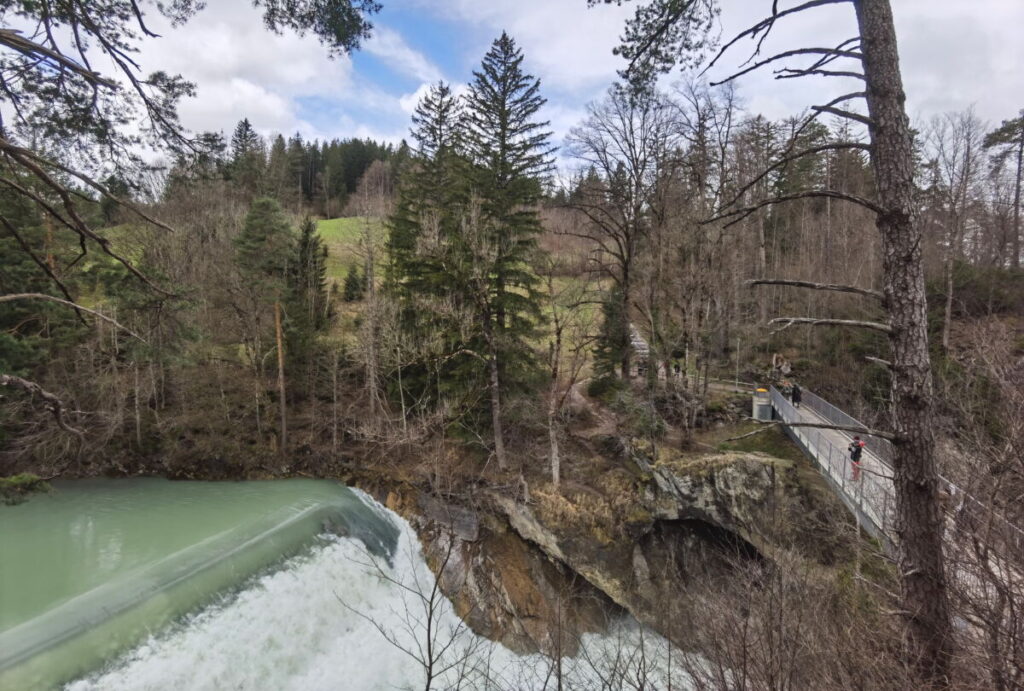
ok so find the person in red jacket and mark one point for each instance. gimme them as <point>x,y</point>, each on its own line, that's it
<point>856,452</point>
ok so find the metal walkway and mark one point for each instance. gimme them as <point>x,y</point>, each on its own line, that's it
<point>872,498</point>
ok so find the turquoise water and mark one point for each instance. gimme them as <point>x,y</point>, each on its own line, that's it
<point>94,567</point>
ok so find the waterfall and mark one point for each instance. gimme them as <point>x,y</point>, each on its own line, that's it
<point>318,595</point>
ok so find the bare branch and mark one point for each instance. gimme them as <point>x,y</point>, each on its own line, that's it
<point>807,194</point>
<point>828,52</point>
<point>878,361</point>
<point>788,73</point>
<point>857,117</point>
<point>54,403</point>
<point>790,157</point>
<point>789,321</point>
<point>816,286</point>
<point>50,298</point>
<point>766,424</point>
<point>765,25</point>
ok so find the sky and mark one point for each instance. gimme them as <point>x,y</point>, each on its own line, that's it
<point>955,54</point>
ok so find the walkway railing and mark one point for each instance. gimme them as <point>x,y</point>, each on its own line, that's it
<point>870,498</point>
<point>881,448</point>
<point>877,501</point>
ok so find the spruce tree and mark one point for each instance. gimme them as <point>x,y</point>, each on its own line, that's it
<point>308,301</point>
<point>264,250</point>
<point>511,154</point>
<point>429,188</point>
<point>353,289</point>
<point>308,284</point>
<point>247,158</point>
<point>277,169</point>
<point>464,235</point>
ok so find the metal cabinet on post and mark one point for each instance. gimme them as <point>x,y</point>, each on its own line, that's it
<point>762,405</point>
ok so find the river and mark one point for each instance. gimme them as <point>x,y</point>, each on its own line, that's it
<point>286,584</point>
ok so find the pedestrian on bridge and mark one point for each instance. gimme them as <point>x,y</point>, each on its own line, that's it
<point>856,452</point>
<point>797,395</point>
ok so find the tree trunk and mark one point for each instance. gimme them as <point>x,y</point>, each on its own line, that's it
<point>1016,198</point>
<point>762,261</point>
<point>138,414</point>
<point>334,404</point>
<point>553,452</point>
<point>495,391</point>
<point>919,520</point>
<point>627,353</point>
<point>950,263</point>
<point>280,377</point>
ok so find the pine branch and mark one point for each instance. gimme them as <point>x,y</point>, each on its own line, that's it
<point>789,73</point>
<point>653,37</point>
<point>13,40</point>
<point>857,117</point>
<point>766,25</point>
<point>40,263</point>
<point>789,158</point>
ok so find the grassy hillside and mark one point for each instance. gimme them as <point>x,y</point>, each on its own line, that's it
<point>344,239</point>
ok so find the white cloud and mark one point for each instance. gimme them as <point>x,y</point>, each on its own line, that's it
<point>953,55</point>
<point>391,48</point>
<point>408,102</point>
<point>566,44</point>
<point>242,70</point>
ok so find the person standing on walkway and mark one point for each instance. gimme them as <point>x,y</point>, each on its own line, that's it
<point>856,451</point>
<point>797,395</point>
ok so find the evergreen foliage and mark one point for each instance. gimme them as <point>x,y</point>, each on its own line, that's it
<point>462,238</point>
<point>265,248</point>
<point>354,284</point>
<point>510,154</point>
<point>248,158</point>
<point>613,340</point>
<point>309,285</point>
<point>430,189</point>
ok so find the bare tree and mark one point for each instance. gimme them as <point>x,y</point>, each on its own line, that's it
<point>427,633</point>
<point>627,142</point>
<point>571,337</point>
<point>956,142</point>
<point>373,202</point>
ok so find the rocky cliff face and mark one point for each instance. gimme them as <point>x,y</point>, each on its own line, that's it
<point>536,574</point>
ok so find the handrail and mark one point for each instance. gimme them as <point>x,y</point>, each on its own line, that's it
<point>870,498</point>
<point>967,506</point>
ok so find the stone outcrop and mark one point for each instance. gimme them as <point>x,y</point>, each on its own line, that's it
<point>536,575</point>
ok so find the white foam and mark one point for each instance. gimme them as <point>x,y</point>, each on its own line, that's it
<point>311,626</point>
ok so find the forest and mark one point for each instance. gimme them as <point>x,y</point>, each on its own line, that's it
<point>483,308</point>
